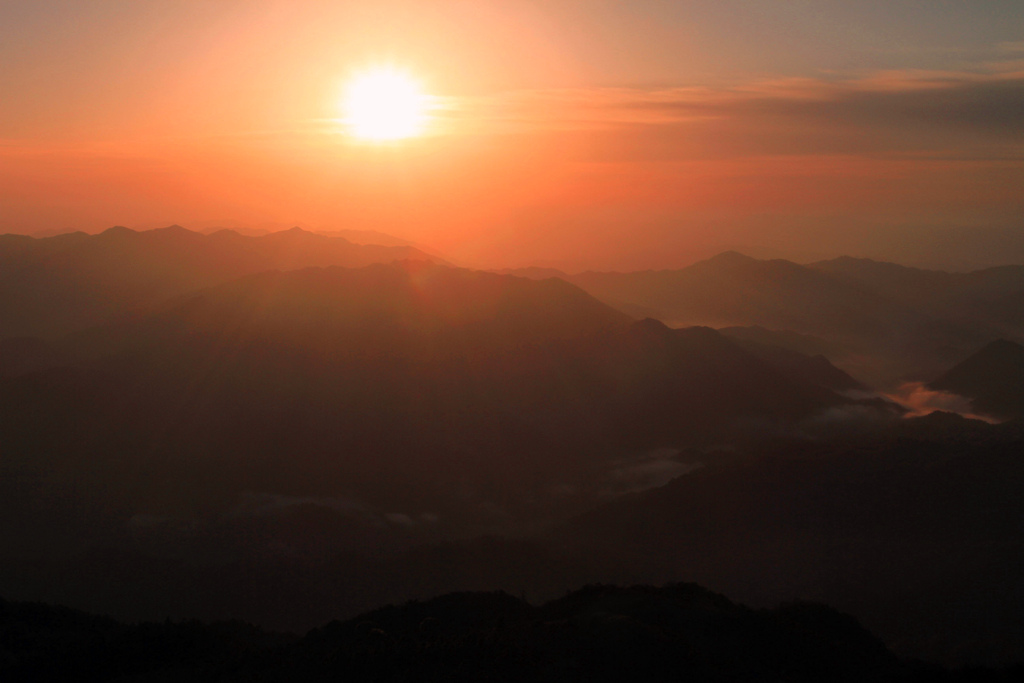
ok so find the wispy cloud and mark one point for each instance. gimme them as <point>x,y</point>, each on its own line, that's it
<point>943,112</point>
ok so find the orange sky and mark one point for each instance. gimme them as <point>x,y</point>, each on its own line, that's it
<point>581,135</point>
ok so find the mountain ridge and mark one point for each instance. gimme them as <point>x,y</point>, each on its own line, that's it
<point>992,378</point>
<point>55,285</point>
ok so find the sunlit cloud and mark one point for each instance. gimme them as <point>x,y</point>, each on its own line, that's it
<point>920,400</point>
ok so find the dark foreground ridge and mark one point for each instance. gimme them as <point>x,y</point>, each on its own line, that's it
<point>992,378</point>
<point>598,633</point>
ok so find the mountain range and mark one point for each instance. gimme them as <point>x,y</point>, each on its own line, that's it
<point>884,323</point>
<point>315,380</point>
<point>880,322</point>
<point>56,285</point>
<point>292,428</point>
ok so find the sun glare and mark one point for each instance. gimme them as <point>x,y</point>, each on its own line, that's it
<point>385,104</point>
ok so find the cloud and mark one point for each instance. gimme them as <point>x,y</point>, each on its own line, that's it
<point>990,106</point>
<point>941,112</point>
<point>920,400</point>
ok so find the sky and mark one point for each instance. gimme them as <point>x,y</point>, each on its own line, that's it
<point>593,134</point>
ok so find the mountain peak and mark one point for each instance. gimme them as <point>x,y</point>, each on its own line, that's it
<point>294,234</point>
<point>994,359</point>
<point>844,260</point>
<point>1002,347</point>
<point>118,230</point>
<point>731,257</point>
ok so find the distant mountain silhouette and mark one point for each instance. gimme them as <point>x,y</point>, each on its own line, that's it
<point>370,237</point>
<point>69,282</point>
<point>413,303</point>
<point>992,298</point>
<point>731,289</point>
<point>886,322</point>
<point>534,273</point>
<point>882,322</point>
<point>993,378</point>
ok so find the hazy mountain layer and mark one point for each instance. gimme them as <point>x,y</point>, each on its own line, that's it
<point>883,322</point>
<point>983,297</point>
<point>70,282</point>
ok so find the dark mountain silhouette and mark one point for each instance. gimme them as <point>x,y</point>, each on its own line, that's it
<point>801,343</point>
<point>47,644</point>
<point>598,633</point>
<point>295,416</point>
<point>70,282</point>
<point>914,529</point>
<point>814,369</point>
<point>603,633</point>
<point>993,378</point>
<point>310,381</point>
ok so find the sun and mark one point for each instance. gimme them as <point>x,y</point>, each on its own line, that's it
<point>385,103</point>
